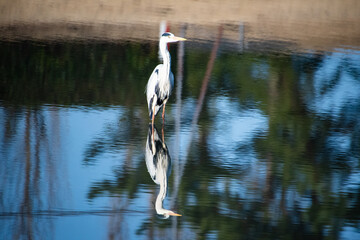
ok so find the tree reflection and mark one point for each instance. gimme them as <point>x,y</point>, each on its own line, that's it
<point>295,178</point>
<point>29,172</point>
<point>293,189</point>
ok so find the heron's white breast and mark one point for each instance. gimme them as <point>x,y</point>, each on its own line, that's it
<point>164,82</point>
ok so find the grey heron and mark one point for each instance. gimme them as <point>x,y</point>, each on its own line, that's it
<point>161,81</point>
<point>158,163</point>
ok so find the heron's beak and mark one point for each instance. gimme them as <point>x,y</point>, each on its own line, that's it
<point>175,214</point>
<point>179,39</point>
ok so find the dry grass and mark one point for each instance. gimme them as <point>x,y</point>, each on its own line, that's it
<point>316,23</point>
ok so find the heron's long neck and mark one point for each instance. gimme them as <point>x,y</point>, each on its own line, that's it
<point>162,192</point>
<point>166,57</point>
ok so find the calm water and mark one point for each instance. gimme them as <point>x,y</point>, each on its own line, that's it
<point>271,150</point>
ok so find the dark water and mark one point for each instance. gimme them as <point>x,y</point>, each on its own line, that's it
<point>271,152</point>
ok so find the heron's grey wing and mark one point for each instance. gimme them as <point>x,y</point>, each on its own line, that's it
<point>149,159</point>
<point>153,80</point>
<point>151,91</point>
<point>151,153</point>
<point>149,156</point>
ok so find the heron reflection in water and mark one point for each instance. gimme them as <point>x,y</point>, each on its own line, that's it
<point>158,163</point>
<point>161,81</point>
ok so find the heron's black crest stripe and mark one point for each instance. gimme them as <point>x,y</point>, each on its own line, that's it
<point>165,34</point>
<point>150,108</point>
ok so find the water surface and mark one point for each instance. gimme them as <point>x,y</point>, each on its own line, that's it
<point>263,138</point>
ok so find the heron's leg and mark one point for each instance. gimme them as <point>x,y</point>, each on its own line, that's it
<point>162,133</point>
<point>153,138</point>
<point>163,114</point>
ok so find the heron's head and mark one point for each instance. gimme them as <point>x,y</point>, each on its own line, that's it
<point>167,213</point>
<point>169,37</point>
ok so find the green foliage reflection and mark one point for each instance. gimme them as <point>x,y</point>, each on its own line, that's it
<point>295,196</point>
